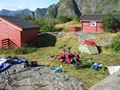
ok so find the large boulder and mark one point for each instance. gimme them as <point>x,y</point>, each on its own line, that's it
<point>37,78</point>
<point>110,83</point>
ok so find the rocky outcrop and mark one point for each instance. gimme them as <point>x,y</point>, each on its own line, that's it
<point>37,78</point>
<point>80,7</point>
<point>52,12</point>
<point>40,12</point>
<point>68,8</point>
<point>110,83</point>
<point>100,39</point>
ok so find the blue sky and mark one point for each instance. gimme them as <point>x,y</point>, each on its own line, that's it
<point>22,4</point>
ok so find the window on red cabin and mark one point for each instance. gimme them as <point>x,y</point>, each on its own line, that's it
<point>92,24</point>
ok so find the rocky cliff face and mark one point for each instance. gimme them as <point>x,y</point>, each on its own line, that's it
<point>40,12</point>
<point>37,78</point>
<point>97,6</point>
<point>70,8</point>
<point>78,7</point>
<point>52,11</point>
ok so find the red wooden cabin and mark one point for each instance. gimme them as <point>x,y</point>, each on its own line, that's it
<point>92,23</point>
<point>16,32</point>
<point>74,29</point>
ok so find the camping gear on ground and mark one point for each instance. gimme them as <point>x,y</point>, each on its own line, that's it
<point>4,66</point>
<point>33,63</point>
<point>113,69</point>
<point>30,64</point>
<point>15,60</point>
<point>67,56</point>
<point>52,57</point>
<point>57,69</point>
<point>2,60</point>
<point>89,47</point>
<point>96,66</point>
<point>6,63</point>
<point>18,60</point>
<point>61,57</point>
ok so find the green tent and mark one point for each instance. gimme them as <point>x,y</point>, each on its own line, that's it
<point>89,47</point>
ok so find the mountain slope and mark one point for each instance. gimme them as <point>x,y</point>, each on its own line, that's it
<point>40,12</point>
<point>5,12</point>
<point>78,7</point>
<point>97,6</point>
<point>70,8</point>
<point>21,13</point>
<point>52,11</point>
<point>64,8</point>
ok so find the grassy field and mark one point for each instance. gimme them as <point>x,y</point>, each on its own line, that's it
<point>66,26</point>
<point>88,76</point>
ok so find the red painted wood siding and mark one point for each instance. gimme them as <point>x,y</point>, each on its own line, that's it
<point>87,28</point>
<point>74,29</point>
<point>28,36</point>
<point>9,32</point>
<point>99,27</point>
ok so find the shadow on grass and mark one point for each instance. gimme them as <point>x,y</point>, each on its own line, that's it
<point>22,50</point>
<point>99,49</point>
<point>45,40</point>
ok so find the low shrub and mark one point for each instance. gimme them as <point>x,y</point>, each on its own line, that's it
<point>110,23</point>
<point>115,45</point>
<point>63,19</point>
<point>48,27</point>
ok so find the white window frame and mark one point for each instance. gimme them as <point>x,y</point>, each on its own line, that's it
<point>92,23</point>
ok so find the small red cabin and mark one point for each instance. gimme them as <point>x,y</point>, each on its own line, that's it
<point>92,23</point>
<point>16,32</point>
<point>74,29</point>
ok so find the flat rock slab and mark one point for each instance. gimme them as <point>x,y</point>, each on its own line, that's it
<point>86,35</point>
<point>110,83</point>
<point>37,78</point>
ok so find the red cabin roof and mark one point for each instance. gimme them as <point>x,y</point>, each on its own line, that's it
<point>89,42</point>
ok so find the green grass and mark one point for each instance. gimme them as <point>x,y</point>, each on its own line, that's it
<point>88,76</point>
<point>66,26</point>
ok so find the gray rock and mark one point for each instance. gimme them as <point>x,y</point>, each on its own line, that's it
<point>110,83</point>
<point>105,40</point>
<point>37,78</point>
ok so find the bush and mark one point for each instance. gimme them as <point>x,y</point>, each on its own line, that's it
<point>48,27</point>
<point>40,22</point>
<point>29,18</point>
<point>63,19</point>
<point>115,45</point>
<point>110,23</point>
<point>75,18</point>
